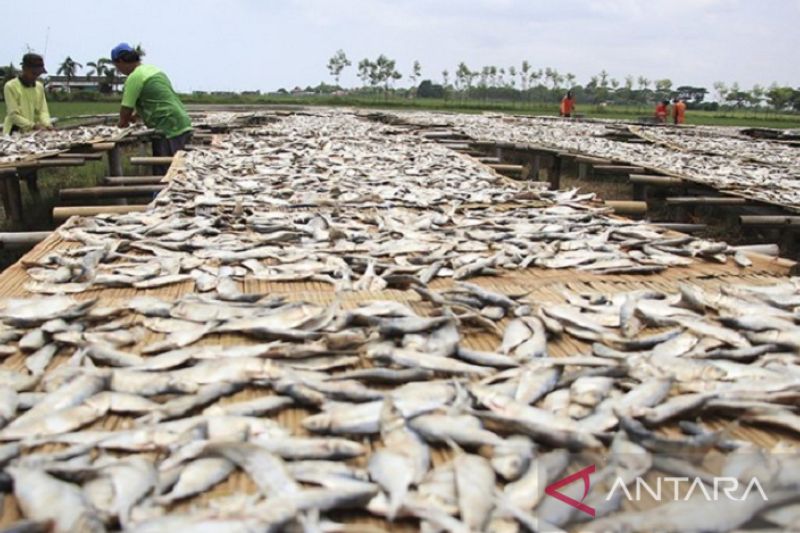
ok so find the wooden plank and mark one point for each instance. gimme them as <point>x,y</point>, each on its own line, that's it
<point>706,200</point>
<point>150,160</point>
<point>60,214</point>
<point>118,191</point>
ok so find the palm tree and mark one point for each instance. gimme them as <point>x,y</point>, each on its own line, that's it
<point>68,68</point>
<point>98,68</point>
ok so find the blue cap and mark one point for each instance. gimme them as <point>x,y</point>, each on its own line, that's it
<point>117,50</point>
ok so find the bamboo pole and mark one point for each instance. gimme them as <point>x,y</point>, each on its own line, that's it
<point>769,220</point>
<point>506,168</point>
<point>683,228</point>
<point>148,160</point>
<point>592,160</point>
<point>618,169</point>
<point>49,163</point>
<point>655,181</point>
<point>61,214</point>
<point>103,147</point>
<point>132,180</point>
<point>706,200</point>
<point>626,207</point>
<point>771,250</point>
<point>118,191</point>
<point>75,155</point>
<point>22,239</point>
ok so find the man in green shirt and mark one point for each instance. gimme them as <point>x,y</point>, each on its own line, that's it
<point>149,93</point>
<point>26,106</point>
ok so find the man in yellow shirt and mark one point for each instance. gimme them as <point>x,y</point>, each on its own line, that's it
<point>26,106</point>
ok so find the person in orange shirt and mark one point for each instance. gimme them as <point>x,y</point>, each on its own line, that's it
<point>678,111</point>
<point>567,105</point>
<point>661,112</point>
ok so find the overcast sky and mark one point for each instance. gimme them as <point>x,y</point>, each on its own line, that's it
<point>250,44</point>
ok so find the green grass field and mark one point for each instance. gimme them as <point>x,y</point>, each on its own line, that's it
<point>741,118</point>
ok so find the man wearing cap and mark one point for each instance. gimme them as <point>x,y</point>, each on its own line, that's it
<point>149,93</point>
<point>26,106</point>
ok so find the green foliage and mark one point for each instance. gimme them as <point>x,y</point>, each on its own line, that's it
<point>428,89</point>
<point>337,63</point>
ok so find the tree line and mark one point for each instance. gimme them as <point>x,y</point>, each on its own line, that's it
<point>526,83</point>
<point>71,70</point>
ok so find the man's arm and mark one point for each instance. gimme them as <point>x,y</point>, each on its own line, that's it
<point>130,95</point>
<point>14,110</point>
<point>43,118</point>
<point>125,116</point>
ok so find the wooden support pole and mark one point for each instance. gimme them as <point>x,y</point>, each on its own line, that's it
<point>132,180</point>
<point>6,173</point>
<point>535,167</point>
<point>60,214</point>
<point>14,195</point>
<point>22,239</point>
<point>707,200</point>
<point>655,181</point>
<point>554,176</point>
<point>118,191</point>
<point>114,156</point>
<point>32,182</point>
<point>583,170</point>
<point>625,207</point>
<point>155,160</point>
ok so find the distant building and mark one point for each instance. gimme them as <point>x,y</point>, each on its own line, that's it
<point>251,93</point>
<point>298,91</point>
<point>84,83</point>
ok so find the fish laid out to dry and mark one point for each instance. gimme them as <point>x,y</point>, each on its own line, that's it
<point>140,414</point>
<point>511,416</point>
<point>356,204</point>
